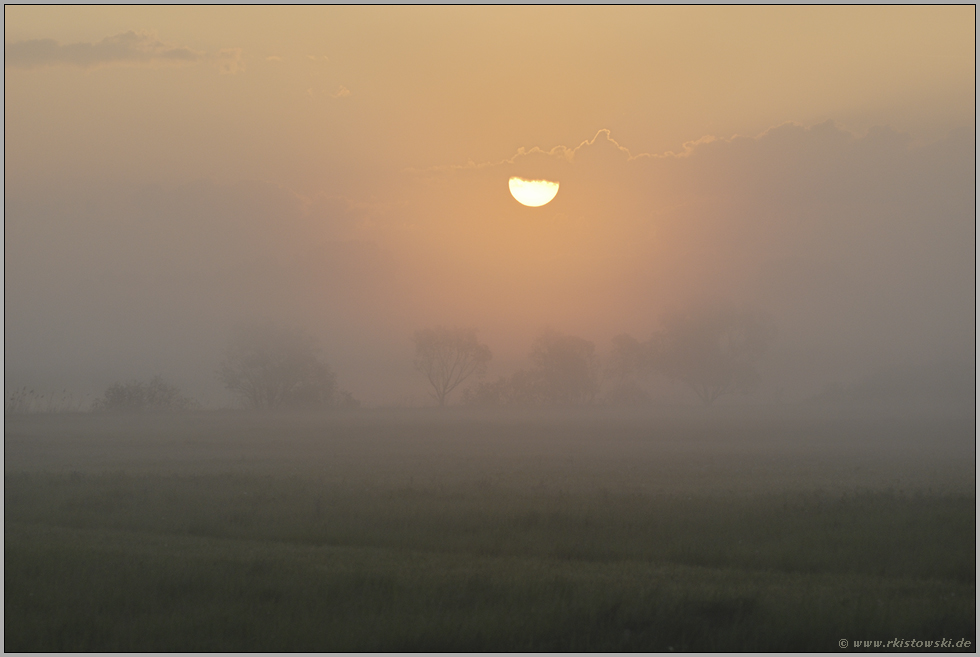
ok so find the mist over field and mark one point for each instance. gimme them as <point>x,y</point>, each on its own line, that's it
<point>268,291</point>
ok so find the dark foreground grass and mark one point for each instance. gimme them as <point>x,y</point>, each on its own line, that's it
<point>865,532</point>
<point>81,590</point>
<point>236,562</point>
<point>472,535</point>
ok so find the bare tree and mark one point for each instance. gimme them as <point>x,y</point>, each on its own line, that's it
<point>271,367</point>
<point>714,351</point>
<point>447,357</point>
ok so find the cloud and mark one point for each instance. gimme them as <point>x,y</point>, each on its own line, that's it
<point>129,48</point>
<point>341,92</point>
<point>126,48</point>
<point>602,141</point>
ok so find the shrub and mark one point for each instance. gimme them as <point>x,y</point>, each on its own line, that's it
<point>156,396</point>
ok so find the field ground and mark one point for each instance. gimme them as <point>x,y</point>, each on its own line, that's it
<point>758,529</point>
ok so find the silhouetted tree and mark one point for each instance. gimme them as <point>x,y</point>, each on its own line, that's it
<point>447,357</point>
<point>156,396</point>
<point>628,362</point>
<point>713,351</point>
<point>270,367</point>
<point>564,372</point>
<point>628,358</point>
<point>564,368</point>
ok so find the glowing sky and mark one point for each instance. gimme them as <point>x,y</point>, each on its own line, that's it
<point>172,171</point>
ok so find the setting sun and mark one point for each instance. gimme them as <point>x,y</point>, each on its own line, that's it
<point>533,193</point>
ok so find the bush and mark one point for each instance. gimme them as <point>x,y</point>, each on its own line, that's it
<point>157,396</point>
<point>22,401</point>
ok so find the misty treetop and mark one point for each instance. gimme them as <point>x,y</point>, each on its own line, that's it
<point>712,350</point>
<point>273,367</point>
<point>565,367</point>
<point>564,372</point>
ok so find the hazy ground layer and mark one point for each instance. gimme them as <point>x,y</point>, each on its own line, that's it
<point>466,531</point>
<point>723,450</point>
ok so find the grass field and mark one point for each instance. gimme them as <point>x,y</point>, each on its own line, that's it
<point>415,530</point>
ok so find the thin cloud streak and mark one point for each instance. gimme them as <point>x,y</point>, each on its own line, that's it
<point>126,48</point>
<point>132,48</point>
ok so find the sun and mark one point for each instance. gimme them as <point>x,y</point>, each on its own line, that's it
<point>533,193</point>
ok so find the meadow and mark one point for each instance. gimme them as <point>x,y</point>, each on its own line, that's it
<point>769,528</point>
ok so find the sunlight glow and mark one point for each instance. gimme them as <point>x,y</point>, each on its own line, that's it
<point>533,193</point>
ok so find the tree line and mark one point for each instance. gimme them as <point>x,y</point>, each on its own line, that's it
<point>713,352</point>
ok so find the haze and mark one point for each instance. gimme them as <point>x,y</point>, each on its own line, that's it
<point>171,173</point>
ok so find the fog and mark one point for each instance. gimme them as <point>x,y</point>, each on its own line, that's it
<point>861,246</point>
<point>287,367</point>
<point>153,203</point>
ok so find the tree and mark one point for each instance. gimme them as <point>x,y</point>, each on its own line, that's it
<point>270,367</point>
<point>564,372</point>
<point>714,351</point>
<point>565,369</point>
<point>628,362</point>
<point>157,396</point>
<point>628,358</point>
<point>447,357</point>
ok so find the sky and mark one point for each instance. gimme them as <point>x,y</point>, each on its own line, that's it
<point>172,172</point>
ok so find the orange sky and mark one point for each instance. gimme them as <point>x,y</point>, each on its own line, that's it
<point>170,171</point>
<point>435,86</point>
